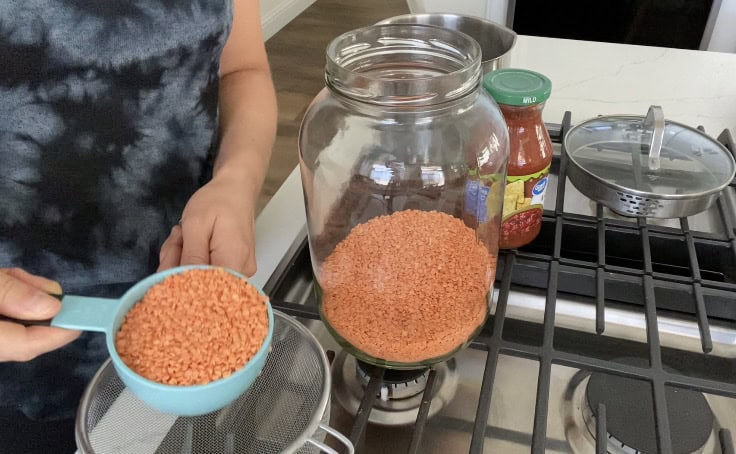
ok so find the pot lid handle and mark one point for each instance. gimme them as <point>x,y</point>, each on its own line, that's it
<point>655,120</point>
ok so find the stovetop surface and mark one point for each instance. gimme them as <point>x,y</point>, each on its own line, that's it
<point>593,291</point>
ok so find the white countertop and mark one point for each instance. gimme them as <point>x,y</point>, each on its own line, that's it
<point>697,88</point>
<point>591,78</point>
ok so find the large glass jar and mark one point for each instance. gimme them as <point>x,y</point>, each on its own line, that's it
<point>403,158</point>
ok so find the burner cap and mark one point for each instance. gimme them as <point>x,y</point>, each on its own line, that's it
<point>400,396</point>
<point>399,384</point>
<point>403,376</point>
<point>630,412</point>
<point>393,375</point>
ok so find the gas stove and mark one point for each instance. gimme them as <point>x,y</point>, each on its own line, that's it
<point>607,334</point>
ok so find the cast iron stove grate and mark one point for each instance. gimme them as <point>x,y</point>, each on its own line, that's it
<point>652,268</point>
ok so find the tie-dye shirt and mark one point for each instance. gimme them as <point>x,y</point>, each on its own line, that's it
<point>108,123</point>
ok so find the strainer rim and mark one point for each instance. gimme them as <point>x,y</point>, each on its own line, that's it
<point>80,435</point>
<point>313,425</point>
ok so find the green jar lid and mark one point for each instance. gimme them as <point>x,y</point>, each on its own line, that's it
<point>517,87</point>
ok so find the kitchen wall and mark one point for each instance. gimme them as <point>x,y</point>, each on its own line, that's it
<point>275,14</point>
<point>491,9</point>
<point>724,35</point>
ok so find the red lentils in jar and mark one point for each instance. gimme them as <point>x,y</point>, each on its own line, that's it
<point>408,287</point>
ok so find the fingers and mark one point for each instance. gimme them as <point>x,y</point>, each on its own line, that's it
<point>230,248</point>
<point>18,343</point>
<point>220,243</point>
<point>46,285</point>
<point>170,255</point>
<point>195,242</point>
<point>23,296</point>
<point>19,299</point>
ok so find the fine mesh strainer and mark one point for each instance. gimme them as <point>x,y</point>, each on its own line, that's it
<point>284,411</point>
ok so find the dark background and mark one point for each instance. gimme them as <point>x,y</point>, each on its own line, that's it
<point>665,23</point>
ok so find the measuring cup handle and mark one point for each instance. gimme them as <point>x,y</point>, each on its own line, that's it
<point>86,313</point>
<point>345,441</point>
<point>655,120</point>
<point>77,312</point>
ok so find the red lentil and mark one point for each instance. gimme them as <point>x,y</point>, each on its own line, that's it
<point>409,286</point>
<point>193,328</point>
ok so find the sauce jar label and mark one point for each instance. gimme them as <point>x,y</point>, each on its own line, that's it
<point>476,195</point>
<point>523,206</point>
<point>524,191</point>
<point>538,191</point>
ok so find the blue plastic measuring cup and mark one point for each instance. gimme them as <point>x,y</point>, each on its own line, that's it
<point>105,315</point>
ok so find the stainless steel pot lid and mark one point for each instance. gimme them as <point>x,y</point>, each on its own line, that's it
<point>650,156</point>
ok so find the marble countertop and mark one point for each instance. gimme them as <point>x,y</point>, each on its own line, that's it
<point>590,78</point>
<point>697,88</point>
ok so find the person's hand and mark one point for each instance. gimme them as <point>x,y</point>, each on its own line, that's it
<point>216,228</point>
<point>25,297</point>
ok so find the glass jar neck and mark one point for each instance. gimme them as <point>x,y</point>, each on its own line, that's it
<point>522,113</point>
<point>403,65</point>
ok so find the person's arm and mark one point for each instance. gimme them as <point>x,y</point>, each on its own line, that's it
<point>218,222</point>
<point>247,101</point>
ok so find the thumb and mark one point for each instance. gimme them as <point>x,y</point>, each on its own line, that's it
<point>47,285</point>
<point>19,299</point>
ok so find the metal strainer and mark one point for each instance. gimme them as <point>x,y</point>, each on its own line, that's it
<point>284,411</point>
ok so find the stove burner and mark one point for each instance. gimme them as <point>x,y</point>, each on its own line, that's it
<point>397,384</point>
<point>400,395</point>
<point>630,413</point>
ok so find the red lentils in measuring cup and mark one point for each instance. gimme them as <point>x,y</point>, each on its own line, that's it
<point>194,327</point>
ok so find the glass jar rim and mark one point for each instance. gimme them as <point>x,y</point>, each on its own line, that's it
<point>366,64</point>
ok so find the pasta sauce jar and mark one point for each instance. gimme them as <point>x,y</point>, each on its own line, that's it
<point>521,95</point>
